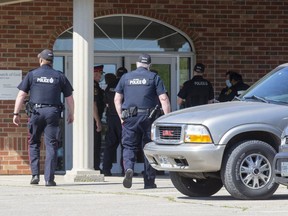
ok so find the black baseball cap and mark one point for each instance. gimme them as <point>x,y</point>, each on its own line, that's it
<point>145,59</point>
<point>199,67</point>
<point>46,54</point>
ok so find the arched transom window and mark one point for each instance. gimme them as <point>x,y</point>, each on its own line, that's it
<point>129,33</point>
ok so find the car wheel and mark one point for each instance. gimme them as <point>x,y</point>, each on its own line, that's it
<point>195,187</point>
<point>247,170</point>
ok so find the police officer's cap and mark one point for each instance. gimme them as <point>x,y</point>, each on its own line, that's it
<point>199,67</point>
<point>121,71</point>
<point>99,68</point>
<point>46,54</point>
<point>145,59</point>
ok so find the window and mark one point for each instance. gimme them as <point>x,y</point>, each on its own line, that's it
<point>129,33</point>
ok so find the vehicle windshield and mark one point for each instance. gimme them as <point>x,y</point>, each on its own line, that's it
<point>272,88</point>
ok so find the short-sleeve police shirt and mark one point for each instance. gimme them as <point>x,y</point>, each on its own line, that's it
<point>140,88</point>
<point>46,85</point>
<point>197,91</point>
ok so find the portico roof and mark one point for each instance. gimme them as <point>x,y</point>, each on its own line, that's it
<point>6,2</point>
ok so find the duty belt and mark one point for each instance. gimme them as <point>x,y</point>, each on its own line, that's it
<point>143,110</point>
<point>45,105</point>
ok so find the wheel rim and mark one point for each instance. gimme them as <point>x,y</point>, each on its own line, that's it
<point>255,171</point>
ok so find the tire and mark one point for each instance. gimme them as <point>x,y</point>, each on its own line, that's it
<point>247,170</point>
<point>195,187</point>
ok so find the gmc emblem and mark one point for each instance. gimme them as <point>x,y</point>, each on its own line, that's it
<point>168,133</point>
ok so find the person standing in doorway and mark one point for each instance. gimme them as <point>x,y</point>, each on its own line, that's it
<point>45,86</point>
<point>197,91</point>
<point>114,130</point>
<point>98,109</point>
<point>135,98</point>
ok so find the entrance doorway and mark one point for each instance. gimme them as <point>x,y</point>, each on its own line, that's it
<point>173,69</point>
<point>165,66</point>
<point>118,41</point>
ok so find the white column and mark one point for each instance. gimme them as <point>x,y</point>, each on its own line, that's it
<point>83,55</point>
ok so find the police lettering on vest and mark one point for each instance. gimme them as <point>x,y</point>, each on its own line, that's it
<point>138,81</point>
<point>45,80</point>
<point>203,83</point>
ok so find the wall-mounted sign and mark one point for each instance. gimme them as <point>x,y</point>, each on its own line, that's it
<point>9,80</point>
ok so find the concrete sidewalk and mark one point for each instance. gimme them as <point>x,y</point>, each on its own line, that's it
<point>19,198</point>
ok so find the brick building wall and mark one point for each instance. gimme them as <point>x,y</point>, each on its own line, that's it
<point>246,36</point>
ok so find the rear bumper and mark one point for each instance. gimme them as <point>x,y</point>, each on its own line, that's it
<point>185,157</point>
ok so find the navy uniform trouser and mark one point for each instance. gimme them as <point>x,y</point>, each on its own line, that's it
<point>136,133</point>
<point>44,120</point>
<point>113,139</point>
<point>97,148</point>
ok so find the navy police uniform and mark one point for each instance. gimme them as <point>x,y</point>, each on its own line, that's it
<point>99,98</point>
<point>139,89</point>
<point>197,91</point>
<point>45,86</point>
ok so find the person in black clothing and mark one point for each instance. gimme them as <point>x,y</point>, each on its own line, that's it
<point>197,91</point>
<point>222,96</point>
<point>98,109</point>
<point>114,130</point>
<point>45,86</point>
<point>237,88</point>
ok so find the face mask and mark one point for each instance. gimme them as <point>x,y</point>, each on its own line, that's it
<point>228,83</point>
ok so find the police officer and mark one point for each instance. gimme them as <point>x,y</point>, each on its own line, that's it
<point>196,91</point>
<point>237,87</point>
<point>45,86</point>
<point>98,109</point>
<point>224,92</point>
<point>134,99</point>
<point>114,130</point>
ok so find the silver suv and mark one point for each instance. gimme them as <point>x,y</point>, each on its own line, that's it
<point>231,144</point>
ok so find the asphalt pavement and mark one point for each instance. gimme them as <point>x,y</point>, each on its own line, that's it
<point>19,198</point>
